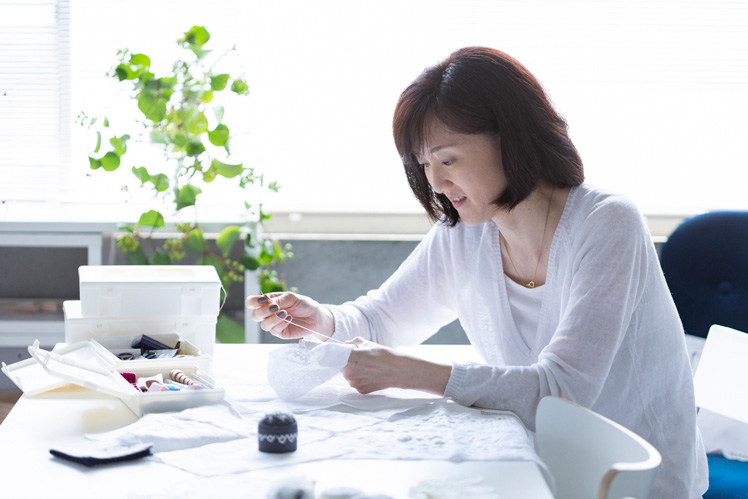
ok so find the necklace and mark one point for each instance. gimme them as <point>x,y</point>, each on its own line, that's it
<point>531,284</point>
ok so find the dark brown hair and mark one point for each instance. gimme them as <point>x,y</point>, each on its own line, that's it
<point>479,90</point>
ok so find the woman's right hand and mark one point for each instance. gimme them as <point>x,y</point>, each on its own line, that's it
<point>276,311</point>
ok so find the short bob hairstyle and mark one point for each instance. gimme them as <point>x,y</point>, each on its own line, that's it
<point>479,90</point>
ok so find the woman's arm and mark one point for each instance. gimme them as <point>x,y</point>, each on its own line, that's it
<point>372,367</point>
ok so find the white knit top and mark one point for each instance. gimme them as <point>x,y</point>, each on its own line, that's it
<point>608,337</point>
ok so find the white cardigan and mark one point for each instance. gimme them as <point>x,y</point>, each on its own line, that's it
<point>609,336</point>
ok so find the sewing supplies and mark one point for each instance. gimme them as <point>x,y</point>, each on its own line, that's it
<point>277,433</point>
<point>131,378</point>
<point>181,377</point>
<point>145,342</point>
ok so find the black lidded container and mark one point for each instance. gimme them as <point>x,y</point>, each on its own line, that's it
<point>277,433</point>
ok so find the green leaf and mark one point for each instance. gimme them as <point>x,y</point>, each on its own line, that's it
<point>95,163</point>
<point>197,36</point>
<point>195,240</point>
<point>194,120</point>
<point>179,140</point>
<point>248,241</point>
<point>137,257</point>
<point>119,144</point>
<point>161,258</point>
<point>160,182</point>
<point>186,196</point>
<point>98,142</point>
<point>210,175</point>
<point>228,330</point>
<point>153,108</point>
<point>151,218</point>
<point>207,96</point>
<point>195,149</point>
<point>226,170</point>
<point>218,82</point>
<point>270,287</point>
<point>250,262</point>
<point>142,174</point>
<point>124,72</point>
<point>226,239</point>
<point>239,87</point>
<point>110,161</point>
<point>140,60</point>
<point>219,136</point>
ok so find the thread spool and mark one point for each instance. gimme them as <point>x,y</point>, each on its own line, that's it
<point>181,377</point>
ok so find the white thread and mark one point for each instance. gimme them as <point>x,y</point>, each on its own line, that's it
<point>282,439</point>
<point>327,338</point>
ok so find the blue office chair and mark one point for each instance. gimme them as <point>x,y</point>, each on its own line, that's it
<point>705,261</point>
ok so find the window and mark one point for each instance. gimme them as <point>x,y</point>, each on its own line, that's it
<point>34,98</point>
<point>654,91</point>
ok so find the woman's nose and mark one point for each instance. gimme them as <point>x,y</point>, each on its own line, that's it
<point>437,178</point>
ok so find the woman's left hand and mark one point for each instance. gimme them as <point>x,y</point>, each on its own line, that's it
<point>373,367</point>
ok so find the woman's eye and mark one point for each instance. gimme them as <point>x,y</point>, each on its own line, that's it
<point>447,162</point>
<point>424,165</point>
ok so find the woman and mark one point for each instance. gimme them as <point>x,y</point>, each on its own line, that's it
<point>556,283</point>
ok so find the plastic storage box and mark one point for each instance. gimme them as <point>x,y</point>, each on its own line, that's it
<point>149,290</point>
<point>199,330</point>
<point>90,365</point>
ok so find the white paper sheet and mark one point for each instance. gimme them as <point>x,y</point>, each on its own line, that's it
<point>722,373</point>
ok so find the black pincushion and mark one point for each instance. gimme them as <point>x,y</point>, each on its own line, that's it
<point>277,433</point>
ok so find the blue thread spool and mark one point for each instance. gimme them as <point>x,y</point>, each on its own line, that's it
<point>277,433</point>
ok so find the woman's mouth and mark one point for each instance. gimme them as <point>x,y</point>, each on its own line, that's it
<point>457,201</point>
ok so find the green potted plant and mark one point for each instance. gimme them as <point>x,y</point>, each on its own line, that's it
<point>179,114</point>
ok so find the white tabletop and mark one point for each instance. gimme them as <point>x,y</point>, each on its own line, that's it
<point>38,423</point>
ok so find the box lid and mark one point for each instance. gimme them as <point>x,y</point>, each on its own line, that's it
<point>86,364</point>
<point>139,274</point>
<point>31,378</point>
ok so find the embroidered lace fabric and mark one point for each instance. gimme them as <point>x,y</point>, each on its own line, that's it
<point>295,369</point>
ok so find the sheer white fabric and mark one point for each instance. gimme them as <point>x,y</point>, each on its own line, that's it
<point>295,369</point>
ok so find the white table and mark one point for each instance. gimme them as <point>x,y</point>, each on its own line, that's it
<point>37,423</point>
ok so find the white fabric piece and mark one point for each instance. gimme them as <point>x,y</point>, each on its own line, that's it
<point>525,305</point>
<point>724,435</point>
<point>442,430</point>
<point>439,430</point>
<point>240,456</point>
<point>295,369</point>
<point>182,430</point>
<point>609,336</point>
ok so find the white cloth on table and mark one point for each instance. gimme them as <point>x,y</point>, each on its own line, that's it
<point>187,429</point>
<point>221,439</point>
<point>609,336</point>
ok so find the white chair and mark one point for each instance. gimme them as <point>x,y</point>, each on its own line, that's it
<point>590,456</point>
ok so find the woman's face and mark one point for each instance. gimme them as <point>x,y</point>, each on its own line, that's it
<point>467,169</point>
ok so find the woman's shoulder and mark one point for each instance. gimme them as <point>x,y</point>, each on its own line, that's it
<point>590,204</point>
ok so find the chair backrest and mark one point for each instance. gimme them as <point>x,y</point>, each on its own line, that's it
<point>705,261</point>
<point>590,456</point>
<point>722,374</point>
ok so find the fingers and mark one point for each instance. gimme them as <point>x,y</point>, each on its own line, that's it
<point>359,342</point>
<point>277,325</point>
<point>265,306</point>
<point>257,301</point>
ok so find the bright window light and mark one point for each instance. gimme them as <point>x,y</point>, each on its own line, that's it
<point>654,91</point>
